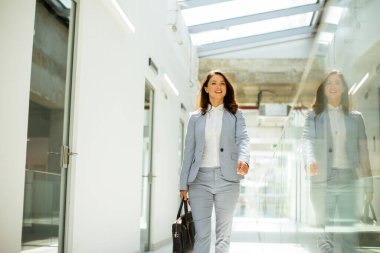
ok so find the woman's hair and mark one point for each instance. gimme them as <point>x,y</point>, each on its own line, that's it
<point>320,101</point>
<point>229,99</point>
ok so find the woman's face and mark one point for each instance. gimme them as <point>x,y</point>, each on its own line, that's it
<point>216,88</point>
<point>334,87</point>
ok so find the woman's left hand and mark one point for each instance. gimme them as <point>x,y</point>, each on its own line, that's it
<point>242,168</point>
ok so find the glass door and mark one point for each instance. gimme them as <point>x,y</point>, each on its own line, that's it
<point>147,175</point>
<point>48,121</point>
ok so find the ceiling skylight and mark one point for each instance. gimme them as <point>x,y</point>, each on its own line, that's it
<point>237,8</point>
<point>255,28</point>
<point>219,25</point>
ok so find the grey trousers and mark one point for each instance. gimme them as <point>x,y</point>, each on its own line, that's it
<point>337,195</point>
<point>210,190</point>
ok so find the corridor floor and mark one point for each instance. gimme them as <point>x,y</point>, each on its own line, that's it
<point>270,236</point>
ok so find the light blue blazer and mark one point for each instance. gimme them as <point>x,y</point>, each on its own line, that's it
<point>318,145</point>
<point>234,146</point>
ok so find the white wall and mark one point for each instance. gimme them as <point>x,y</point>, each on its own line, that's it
<point>176,60</point>
<point>16,33</point>
<point>110,71</point>
<point>110,68</point>
<point>107,133</point>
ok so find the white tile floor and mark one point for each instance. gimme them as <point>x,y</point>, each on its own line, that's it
<point>245,247</point>
<point>270,236</point>
<point>248,236</point>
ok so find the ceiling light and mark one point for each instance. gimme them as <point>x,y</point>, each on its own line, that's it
<point>171,84</point>
<point>360,84</point>
<point>352,88</point>
<point>123,15</point>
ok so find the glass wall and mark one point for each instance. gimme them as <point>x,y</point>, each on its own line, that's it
<point>282,200</point>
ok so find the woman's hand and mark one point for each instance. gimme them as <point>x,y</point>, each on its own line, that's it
<point>242,168</point>
<point>183,194</point>
<point>313,169</point>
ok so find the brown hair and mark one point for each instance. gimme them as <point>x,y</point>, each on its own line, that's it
<point>229,101</point>
<point>320,101</point>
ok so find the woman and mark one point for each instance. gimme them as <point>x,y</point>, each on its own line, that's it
<point>336,154</point>
<point>216,157</point>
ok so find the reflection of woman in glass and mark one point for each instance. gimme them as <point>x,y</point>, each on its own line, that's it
<point>336,154</point>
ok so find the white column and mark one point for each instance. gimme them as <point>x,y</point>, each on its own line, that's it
<point>16,43</point>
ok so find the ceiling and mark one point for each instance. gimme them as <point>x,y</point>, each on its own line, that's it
<point>220,27</point>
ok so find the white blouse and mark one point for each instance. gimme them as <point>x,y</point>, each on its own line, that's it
<point>213,129</point>
<point>338,131</point>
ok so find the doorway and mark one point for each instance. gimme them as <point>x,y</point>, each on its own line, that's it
<point>48,123</point>
<point>147,174</point>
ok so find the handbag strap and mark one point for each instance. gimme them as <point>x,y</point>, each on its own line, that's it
<point>372,211</point>
<point>367,206</point>
<point>183,203</point>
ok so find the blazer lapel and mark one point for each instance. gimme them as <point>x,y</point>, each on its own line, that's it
<point>348,120</point>
<point>228,123</point>
<point>202,129</point>
<point>328,129</point>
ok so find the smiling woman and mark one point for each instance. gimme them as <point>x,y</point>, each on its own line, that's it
<point>216,158</point>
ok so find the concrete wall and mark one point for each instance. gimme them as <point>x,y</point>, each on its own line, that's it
<point>16,33</point>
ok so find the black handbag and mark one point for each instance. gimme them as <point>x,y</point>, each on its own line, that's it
<point>369,238</point>
<point>183,230</point>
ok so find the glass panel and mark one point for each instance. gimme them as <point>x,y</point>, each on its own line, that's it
<point>237,8</point>
<point>146,169</point>
<point>282,204</point>
<point>45,178</point>
<point>268,193</point>
<point>260,27</point>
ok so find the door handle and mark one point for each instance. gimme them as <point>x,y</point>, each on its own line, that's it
<point>65,157</point>
<point>150,178</point>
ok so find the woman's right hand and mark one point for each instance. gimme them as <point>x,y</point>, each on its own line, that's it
<point>183,194</point>
<point>313,169</point>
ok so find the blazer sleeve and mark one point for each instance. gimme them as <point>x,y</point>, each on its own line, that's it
<point>188,153</point>
<point>308,138</point>
<point>365,166</point>
<point>242,138</point>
